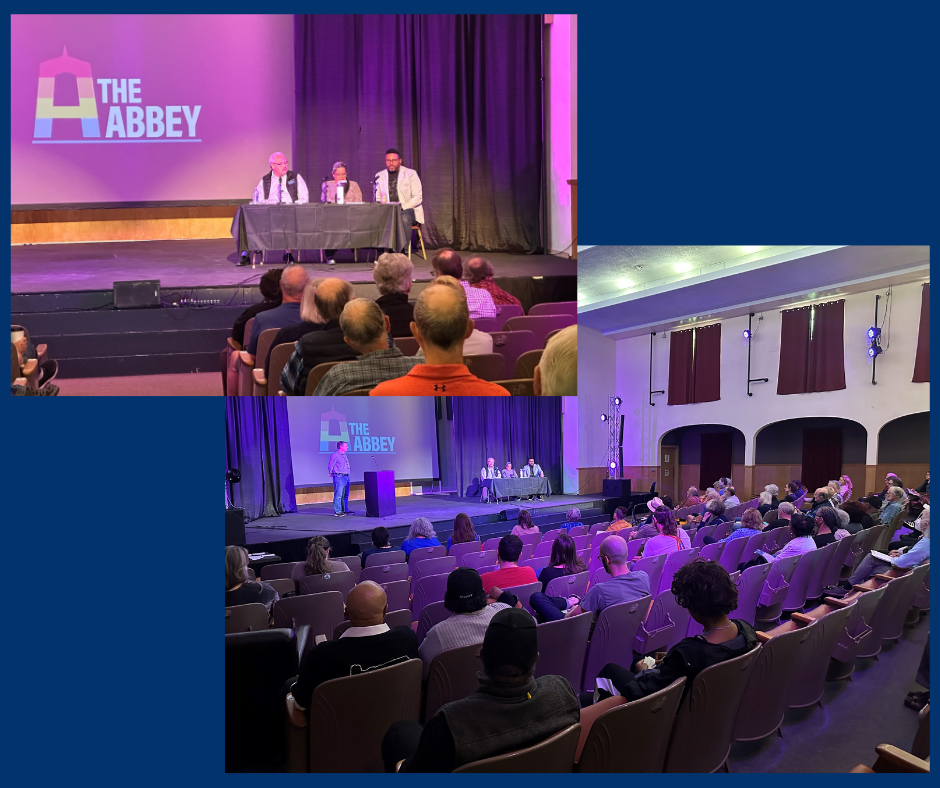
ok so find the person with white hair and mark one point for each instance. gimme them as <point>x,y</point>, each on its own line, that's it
<point>774,491</point>
<point>421,534</point>
<point>393,275</point>
<point>556,374</point>
<point>764,500</point>
<point>281,186</point>
<point>902,558</point>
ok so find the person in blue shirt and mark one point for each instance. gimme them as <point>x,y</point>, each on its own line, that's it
<point>574,518</point>
<point>904,558</point>
<point>421,534</point>
<point>463,531</point>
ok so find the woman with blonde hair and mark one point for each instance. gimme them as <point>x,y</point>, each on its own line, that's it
<point>318,560</point>
<point>239,589</point>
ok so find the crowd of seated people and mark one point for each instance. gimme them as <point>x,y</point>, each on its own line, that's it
<point>327,325</point>
<point>31,370</point>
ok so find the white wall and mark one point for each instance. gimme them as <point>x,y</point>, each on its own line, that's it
<point>596,381</point>
<point>561,76</point>
<point>569,444</point>
<point>871,406</point>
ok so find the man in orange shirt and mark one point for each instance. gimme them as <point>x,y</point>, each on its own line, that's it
<point>509,573</point>
<point>442,323</point>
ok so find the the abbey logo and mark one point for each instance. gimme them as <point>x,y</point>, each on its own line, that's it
<point>127,120</point>
<point>335,428</point>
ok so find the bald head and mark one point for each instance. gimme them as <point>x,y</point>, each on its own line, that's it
<point>364,325</point>
<point>366,604</point>
<point>442,316</point>
<point>293,281</point>
<point>331,298</point>
<point>448,263</point>
<point>615,548</point>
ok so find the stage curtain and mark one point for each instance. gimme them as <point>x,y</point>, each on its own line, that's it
<point>922,359</point>
<point>508,429</point>
<point>459,95</point>
<point>257,442</point>
<point>716,459</point>
<point>812,352</point>
<point>822,456</point>
<point>695,365</point>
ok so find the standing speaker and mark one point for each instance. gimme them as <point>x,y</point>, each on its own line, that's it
<point>234,527</point>
<point>616,488</point>
<point>140,294</point>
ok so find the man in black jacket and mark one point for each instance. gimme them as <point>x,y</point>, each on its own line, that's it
<point>511,710</point>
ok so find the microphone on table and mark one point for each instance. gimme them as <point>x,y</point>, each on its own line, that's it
<point>376,464</point>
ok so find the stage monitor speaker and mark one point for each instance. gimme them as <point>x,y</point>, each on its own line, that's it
<point>616,488</point>
<point>509,515</point>
<point>234,527</point>
<point>140,294</point>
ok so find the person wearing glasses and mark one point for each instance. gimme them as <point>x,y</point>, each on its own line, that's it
<point>402,185</point>
<point>329,192</point>
<point>281,186</point>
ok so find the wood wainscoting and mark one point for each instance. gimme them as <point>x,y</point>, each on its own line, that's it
<point>324,493</point>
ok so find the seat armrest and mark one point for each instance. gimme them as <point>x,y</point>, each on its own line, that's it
<point>20,382</point>
<point>246,358</point>
<point>260,379</point>
<point>233,344</point>
<point>589,714</point>
<point>894,759</point>
<point>836,603</point>
<point>30,367</point>
<point>41,351</point>
<point>298,744</point>
<point>301,633</point>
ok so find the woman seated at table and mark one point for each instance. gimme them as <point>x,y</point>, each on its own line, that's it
<point>351,191</point>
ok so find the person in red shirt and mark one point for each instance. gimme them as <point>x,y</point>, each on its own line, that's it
<point>509,574</point>
<point>442,323</point>
<point>478,271</point>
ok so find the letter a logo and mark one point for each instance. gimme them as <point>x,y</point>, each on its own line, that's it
<point>333,428</point>
<point>46,111</point>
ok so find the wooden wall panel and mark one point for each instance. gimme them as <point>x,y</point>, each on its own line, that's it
<point>912,474</point>
<point>591,480</point>
<point>324,494</point>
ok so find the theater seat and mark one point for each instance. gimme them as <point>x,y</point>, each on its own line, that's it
<point>519,387</point>
<point>555,754</point>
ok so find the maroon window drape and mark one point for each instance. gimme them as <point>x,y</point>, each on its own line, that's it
<point>812,352</point>
<point>695,365</point>
<point>922,359</point>
<point>822,456</point>
<point>716,457</point>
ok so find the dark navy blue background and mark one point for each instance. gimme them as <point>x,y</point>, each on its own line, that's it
<point>707,123</point>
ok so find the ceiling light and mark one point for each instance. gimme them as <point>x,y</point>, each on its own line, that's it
<point>683,268</point>
<point>751,249</point>
<point>624,283</point>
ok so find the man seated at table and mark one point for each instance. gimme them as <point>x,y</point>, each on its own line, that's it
<point>531,470</point>
<point>478,271</point>
<point>365,329</point>
<point>279,186</point>
<point>402,185</point>
<point>442,323</point>
<point>320,347</point>
<point>447,263</point>
<point>393,274</point>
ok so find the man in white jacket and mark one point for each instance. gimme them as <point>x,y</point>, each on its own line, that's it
<point>402,185</point>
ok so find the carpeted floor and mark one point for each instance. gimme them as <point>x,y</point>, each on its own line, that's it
<point>856,716</point>
<point>196,384</point>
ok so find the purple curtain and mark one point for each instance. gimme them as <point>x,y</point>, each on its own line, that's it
<point>257,443</point>
<point>812,353</point>
<point>459,95</point>
<point>922,359</point>
<point>822,456</point>
<point>716,459</point>
<point>508,429</point>
<point>695,365</point>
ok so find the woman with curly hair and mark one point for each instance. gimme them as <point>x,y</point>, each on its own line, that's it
<point>858,517</point>
<point>421,534</point>
<point>463,531</point>
<point>524,526</point>
<point>318,560</point>
<point>707,591</point>
<point>671,537</point>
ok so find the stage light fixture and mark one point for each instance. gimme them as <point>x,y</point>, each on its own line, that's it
<point>747,333</point>
<point>873,351</point>
<point>874,333</point>
<point>603,417</point>
<point>618,401</point>
<point>613,466</point>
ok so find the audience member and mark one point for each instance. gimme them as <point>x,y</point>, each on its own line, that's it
<point>463,531</point>
<point>707,591</point>
<point>909,540</point>
<point>671,538</point>
<point>925,485</point>
<point>380,544</point>
<point>239,590</point>
<point>784,512</point>
<point>441,325</point>
<point>802,527</point>
<point>714,513</point>
<point>524,526</point>
<point>845,487</point>
<point>556,374</point>
<point>367,645</point>
<point>620,520</point>
<point>564,561</point>
<point>510,710</point>
<point>872,507</point>
<point>730,498</point>
<point>467,601</point>
<point>650,527</point>
<point>858,519</point>
<point>478,271</point>
<point>820,498</point>
<point>691,498</point>
<point>509,573</point>
<point>749,525</point>
<point>902,558</point>
<point>324,345</point>
<point>764,500</point>
<point>393,277</point>
<point>574,518</point>
<point>479,302</point>
<point>366,331</point>
<point>843,530</point>
<point>318,560</point>
<point>27,361</point>
<point>774,491</point>
<point>293,281</point>
<point>893,501</point>
<point>835,496</point>
<point>310,320</point>
<point>270,288</point>
<point>827,523</point>
<point>793,492</point>
<point>891,480</point>
<point>421,534</point>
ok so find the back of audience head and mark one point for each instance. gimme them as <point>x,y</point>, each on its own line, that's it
<point>510,646</point>
<point>802,525</point>
<point>752,519</point>
<point>365,327</point>
<point>614,549</point>
<point>366,604</point>
<point>441,314</point>
<point>556,374</point>
<point>854,510</point>
<point>895,493</point>
<point>447,263</point>
<point>308,303</point>
<point>464,592</point>
<point>509,549</point>
<point>822,494</point>
<point>730,490</point>
<point>331,298</point>
<point>843,517</point>
<point>716,506</point>
<point>463,529</point>
<point>705,589</point>
<point>565,553</point>
<point>318,556</point>
<point>665,520</point>
<point>293,281</point>
<point>236,563</point>
<point>785,510</point>
<point>380,536</point>
<point>793,488</point>
<point>773,489</point>
<point>421,528</point>
<point>574,515</point>
<point>620,513</point>
<point>765,498</point>
<point>270,284</point>
<point>393,273</point>
<point>525,519</point>
<point>667,502</point>
<point>476,269</point>
<point>692,493</point>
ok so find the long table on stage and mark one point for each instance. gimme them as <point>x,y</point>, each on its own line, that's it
<point>365,225</point>
<point>507,488</point>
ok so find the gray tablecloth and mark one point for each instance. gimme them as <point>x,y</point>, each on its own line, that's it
<point>318,226</point>
<point>504,488</point>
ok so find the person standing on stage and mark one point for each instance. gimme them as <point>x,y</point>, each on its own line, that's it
<point>402,185</point>
<point>339,470</point>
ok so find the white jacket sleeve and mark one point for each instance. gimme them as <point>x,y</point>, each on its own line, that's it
<point>415,183</point>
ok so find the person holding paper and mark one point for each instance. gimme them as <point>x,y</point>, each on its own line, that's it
<point>331,190</point>
<point>903,558</point>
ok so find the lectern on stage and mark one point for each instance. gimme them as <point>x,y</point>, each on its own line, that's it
<point>380,493</point>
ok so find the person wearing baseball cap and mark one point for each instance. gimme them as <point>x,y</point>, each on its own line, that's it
<point>509,711</point>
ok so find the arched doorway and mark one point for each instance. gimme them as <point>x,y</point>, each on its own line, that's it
<point>904,449</point>
<point>698,454</point>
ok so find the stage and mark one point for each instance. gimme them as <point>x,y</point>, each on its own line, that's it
<point>288,534</point>
<point>57,268</point>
